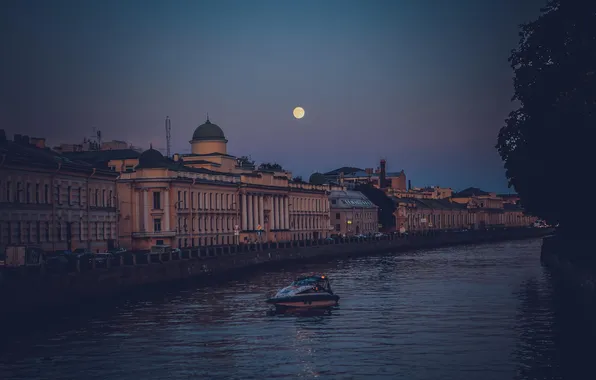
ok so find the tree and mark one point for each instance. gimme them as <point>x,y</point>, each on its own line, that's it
<point>386,206</point>
<point>544,143</point>
<point>271,167</point>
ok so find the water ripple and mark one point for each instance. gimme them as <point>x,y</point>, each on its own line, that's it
<point>456,313</point>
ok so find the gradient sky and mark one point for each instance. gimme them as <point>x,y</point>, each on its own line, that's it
<point>424,84</point>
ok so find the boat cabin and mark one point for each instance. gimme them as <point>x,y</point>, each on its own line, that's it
<point>319,283</point>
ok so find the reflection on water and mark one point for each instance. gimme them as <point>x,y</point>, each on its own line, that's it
<point>485,312</point>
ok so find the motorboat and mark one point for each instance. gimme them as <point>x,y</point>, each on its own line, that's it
<point>308,292</point>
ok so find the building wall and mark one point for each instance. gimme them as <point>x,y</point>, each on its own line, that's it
<point>57,210</point>
<point>348,219</point>
<point>163,207</point>
<point>412,217</point>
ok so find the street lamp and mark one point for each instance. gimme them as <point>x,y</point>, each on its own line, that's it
<point>236,223</point>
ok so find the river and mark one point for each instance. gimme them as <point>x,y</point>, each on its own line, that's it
<point>470,312</point>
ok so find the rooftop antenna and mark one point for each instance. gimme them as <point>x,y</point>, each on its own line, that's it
<point>207,116</point>
<point>168,135</point>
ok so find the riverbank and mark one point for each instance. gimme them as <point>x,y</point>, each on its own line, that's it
<point>28,292</point>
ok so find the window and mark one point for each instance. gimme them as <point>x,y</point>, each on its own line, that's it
<point>157,223</point>
<point>29,240</point>
<point>47,228</point>
<point>69,195</point>
<point>103,198</point>
<point>129,168</point>
<point>46,193</point>
<point>58,194</point>
<point>337,215</point>
<point>337,227</point>
<point>80,196</point>
<point>111,199</point>
<point>19,240</point>
<point>18,194</point>
<point>38,230</point>
<point>96,197</point>
<point>37,193</point>
<point>58,231</point>
<point>8,186</point>
<point>28,193</point>
<point>157,200</point>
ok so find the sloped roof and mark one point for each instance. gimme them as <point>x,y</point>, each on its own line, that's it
<point>470,192</point>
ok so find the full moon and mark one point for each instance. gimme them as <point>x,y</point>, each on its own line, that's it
<point>298,112</point>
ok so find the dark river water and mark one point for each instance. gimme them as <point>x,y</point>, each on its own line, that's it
<point>474,312</point>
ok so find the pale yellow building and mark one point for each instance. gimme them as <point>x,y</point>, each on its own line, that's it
<point>209,197</point>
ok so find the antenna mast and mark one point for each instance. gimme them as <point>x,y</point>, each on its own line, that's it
<point>168,135</point>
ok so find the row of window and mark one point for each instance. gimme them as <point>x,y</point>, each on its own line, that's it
<point>358,215</point>
<point>209,224</point>
<point>41,232</point>
<point>366,227</point>
<point>35,193</point>
<point>220,201</point>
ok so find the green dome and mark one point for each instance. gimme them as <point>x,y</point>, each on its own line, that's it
<point>208,131</point>
<point>317,179</point>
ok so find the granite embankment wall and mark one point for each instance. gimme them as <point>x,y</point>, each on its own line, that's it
<point>572,264</point>
<point>36,291</point>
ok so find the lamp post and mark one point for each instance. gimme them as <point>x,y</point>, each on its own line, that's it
<point>236,224</point>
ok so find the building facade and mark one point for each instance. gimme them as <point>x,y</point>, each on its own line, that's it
<point>209,197</point>
<point>471,208</point>
<point>378,177</point>
<point>50,202</point>
<point>352,213</point>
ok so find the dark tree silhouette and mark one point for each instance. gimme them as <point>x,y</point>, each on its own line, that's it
<point>544,143</point>
<point>383,202</point>
<point>269,166</point>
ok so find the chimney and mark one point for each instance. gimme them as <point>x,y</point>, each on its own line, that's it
<point>2,135</point>
<point>382,175</point>
<point>409,184</point>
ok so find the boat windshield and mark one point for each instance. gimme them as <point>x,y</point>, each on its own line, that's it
<point>306,281</point>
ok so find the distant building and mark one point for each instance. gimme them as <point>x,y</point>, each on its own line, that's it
<point>434,192</point>
<point>379,178</point>
<point>471,208</point>
<point>51,202</point>
<point>118,160</point>
<point>352,213</point>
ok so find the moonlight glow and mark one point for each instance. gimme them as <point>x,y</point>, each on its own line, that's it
<point>298,112</point>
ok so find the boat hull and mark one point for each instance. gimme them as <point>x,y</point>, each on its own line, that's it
<point>305,302</point>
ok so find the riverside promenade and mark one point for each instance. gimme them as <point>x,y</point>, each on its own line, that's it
<point>32,289</point>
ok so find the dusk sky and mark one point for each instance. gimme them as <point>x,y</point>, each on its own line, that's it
<point>424,84</point>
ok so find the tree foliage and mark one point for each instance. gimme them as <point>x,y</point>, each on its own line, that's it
<point>386,207</point>
<point>272,167</point>
<point>544,142</point>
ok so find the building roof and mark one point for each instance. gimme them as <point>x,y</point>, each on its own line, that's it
<point>435,204</point>
<point>27,155</point>
<point>349,199</point>
<point>102,157</point>
<point>470,192</point>
<point>208,131</point>
<point>344,169</point>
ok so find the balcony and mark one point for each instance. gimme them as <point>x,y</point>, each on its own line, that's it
<point>153,234</point>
